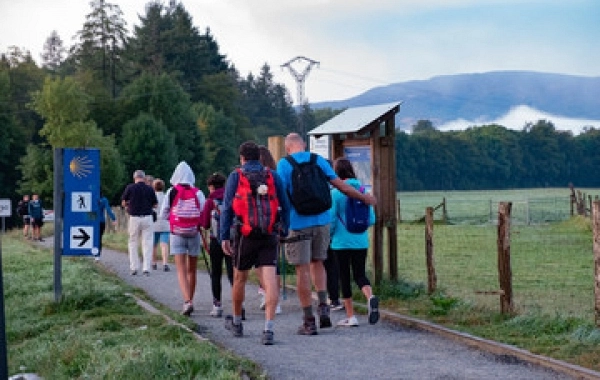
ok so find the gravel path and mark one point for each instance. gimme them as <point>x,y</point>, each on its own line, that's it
<point>381,351</point>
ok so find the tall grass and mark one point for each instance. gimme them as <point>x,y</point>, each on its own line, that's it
<point>96,331</point>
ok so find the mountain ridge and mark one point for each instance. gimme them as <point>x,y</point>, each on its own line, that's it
<point>483,96</point>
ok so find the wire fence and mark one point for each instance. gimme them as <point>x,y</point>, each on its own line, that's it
<point>551,251</point>
<point>484,211</point>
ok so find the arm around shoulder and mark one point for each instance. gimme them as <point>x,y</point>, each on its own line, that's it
<point>352,192</point>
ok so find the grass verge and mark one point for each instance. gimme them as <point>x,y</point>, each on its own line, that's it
<point>96,331</point>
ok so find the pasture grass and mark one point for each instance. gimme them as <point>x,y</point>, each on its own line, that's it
<point>96,330</point>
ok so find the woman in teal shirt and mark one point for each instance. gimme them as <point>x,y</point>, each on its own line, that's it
<point>351,248</point>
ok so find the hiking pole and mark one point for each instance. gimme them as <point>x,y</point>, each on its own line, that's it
<point>204,251</point>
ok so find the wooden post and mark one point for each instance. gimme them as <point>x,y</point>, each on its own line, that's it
<point>444,211</point>
<point>276,145</point>
<point>399,212</point>
<point>504,268</point>
<point>431,276</point>
<point>596,248</point>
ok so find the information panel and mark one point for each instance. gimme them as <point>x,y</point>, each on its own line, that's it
<point>360,158</point>
<point>81,230</point>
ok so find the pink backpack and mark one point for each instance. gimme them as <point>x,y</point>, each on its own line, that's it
<point>184,217</point>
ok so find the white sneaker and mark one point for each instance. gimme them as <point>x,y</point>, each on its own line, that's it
<point>217,311</point>
<point>278,309</point>
<point>348,322</point>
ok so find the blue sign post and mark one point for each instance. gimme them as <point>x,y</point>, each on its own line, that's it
<point>81,227</point>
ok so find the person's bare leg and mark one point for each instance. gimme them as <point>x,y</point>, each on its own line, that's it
<point>303,284</point>
<point>238,290</point>
<point>192,269</point>
<point>182,276</point>
<point>318,274</point>
<point>164,249</point>
<point>269,282</point>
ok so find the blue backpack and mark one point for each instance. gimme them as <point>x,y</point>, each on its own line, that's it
<point>357,215</point>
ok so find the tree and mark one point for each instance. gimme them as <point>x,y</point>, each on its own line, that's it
<point>13,140</point>
<point>63,105</point>
<point>167,42</point>
<point>147,144</point>
<point>219,139</point>
<point>101,42</point>
<point>163,98</point>
<point>54,52</point>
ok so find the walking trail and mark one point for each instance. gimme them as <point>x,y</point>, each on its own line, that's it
<point>382,351</point>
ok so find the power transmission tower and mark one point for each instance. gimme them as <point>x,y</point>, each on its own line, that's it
<point>300,77</point>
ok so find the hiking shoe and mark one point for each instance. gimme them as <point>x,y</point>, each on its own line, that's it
<point>166,268</point>
<point>324,320</point>
<point>267,338</point>
<point>336,306</point>
<point>236,330</point>
<point>133,272</point>
<point>373,310</point>
<point>146,273</point>
<point>348,322</point>
<point>188,309</point>
<point>154,266</point>
<point>309,327</point>
<point>278,309</point>
<point>217,311</point>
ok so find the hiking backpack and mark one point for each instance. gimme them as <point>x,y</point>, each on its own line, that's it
<point>215,218</point>
<point>310,187</point>
<point>184,216</point>
<point>357,215</point>
<point>255,203</point>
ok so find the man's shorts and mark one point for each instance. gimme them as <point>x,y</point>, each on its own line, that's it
<point>306,245</point>
<point>161,237</point>
<point>37,222</point>
<point>248,253</point>
<point>26,219</point>
<point>179,245</point>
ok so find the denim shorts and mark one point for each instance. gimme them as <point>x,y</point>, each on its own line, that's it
<point>179,245</point>
<point>161,237</point>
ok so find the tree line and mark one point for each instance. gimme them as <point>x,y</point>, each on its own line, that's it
<point>493,157</point>
<point>148,98</point>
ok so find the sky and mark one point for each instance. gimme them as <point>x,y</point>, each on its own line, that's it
<point>358,44</point>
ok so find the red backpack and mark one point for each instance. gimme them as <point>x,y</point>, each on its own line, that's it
<point>255,203</point>
<point>184,217</point>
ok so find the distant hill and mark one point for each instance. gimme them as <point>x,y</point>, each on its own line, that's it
<point>483,97</point>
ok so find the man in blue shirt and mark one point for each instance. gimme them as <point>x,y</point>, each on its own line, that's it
<point>308,238</point>
<point>249,250</point>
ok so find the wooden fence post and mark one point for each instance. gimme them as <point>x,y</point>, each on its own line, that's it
<point>504,268</point>
<point>596,248</point>
<point>399,212</point>
<point>431,277</point>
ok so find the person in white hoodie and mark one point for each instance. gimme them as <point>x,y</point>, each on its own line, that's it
<point>350,247</point>
<point>185,247</point>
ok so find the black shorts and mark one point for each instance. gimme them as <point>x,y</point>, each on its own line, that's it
<point>26,219</point>
<point>37,222</point>
<point>248,253</point>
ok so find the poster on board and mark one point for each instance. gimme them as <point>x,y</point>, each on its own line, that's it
<point>360,157</point>
<point>319,146</point>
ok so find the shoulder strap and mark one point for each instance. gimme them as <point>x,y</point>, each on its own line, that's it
<point>292,161</point>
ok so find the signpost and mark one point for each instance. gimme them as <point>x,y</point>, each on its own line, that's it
<point>81,176</point>
<point>5,211</point>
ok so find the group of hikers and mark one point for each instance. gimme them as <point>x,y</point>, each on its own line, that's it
<point>304,204</point>
<point>32,214</point>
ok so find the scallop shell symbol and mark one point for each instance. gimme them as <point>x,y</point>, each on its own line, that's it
<point>80,166</point>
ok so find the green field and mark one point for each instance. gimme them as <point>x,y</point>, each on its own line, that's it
<point>552,262</point>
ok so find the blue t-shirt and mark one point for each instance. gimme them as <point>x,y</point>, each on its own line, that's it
<point>284,169</point>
